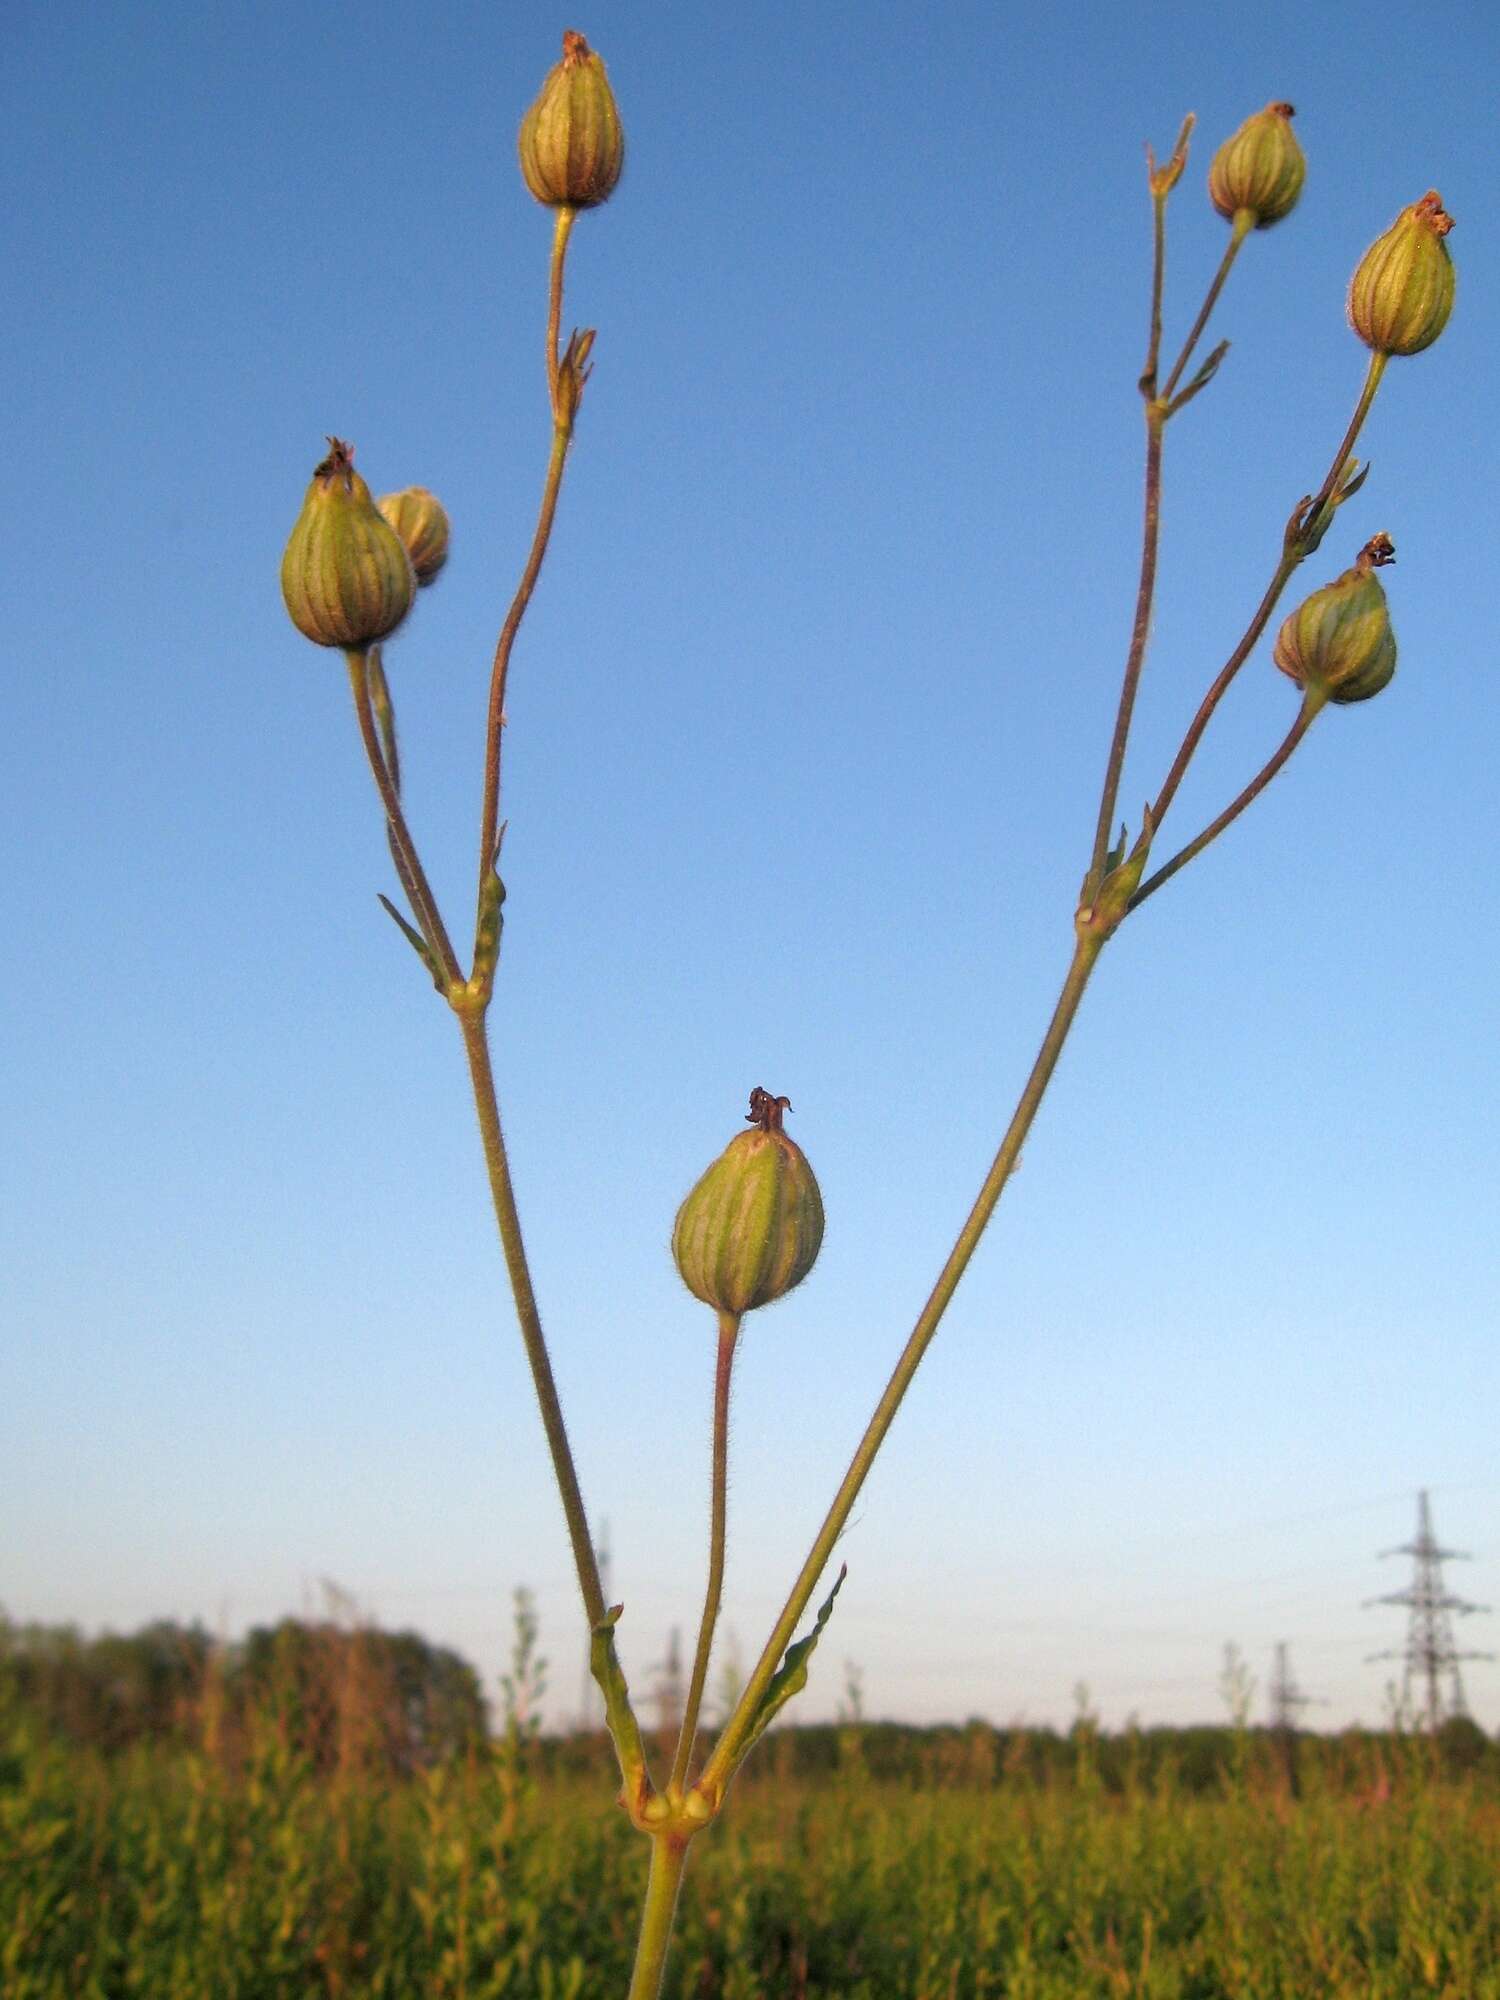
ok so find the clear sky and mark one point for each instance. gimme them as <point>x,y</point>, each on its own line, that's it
<point>808,724</point>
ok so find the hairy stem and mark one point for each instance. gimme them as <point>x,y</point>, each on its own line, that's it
<point>562,230</point>
<point>476,1046</point>
<point>1305,718</point>
<point>721,1764</point>
<point>668,1860</point>
<point>562,437</point>
<point>403,848</point>
<point>729,1327</point>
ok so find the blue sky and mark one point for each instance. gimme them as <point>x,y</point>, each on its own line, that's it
<point>808,723</point>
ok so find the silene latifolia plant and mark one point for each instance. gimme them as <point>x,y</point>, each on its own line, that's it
<point>750,1229</point>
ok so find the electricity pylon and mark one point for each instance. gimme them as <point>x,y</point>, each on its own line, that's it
<point>1430,1658</point>
<point>1285,1696</point>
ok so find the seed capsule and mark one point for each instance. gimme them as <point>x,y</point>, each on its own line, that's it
<point>421,521</point>
<point>1261,168</point>
<point>1339,644</point>
<point>346,577</point>
<point>1402,291</point>
<point>752,1227</point>
<point>572,146</point>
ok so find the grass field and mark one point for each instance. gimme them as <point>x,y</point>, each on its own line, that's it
<point>164,1870</point>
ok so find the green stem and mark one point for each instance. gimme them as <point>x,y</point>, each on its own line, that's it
<point>727,1751</point>
<point>729,1327</point>
<point>562,437</point>
<point>403,847</point>
<point>1305,718</point>
<point>1139,633</point>
<point>668,1860</point>
<point>1294,551</point>
<point>476,1045</point>
<point>562,230</point>
<point>1244,222</point>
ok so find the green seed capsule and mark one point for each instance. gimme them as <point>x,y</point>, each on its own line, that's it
<point>1402,291</point>
<point>752,1227</point>
<point>346,577</point>
<point>421,521</point>
<point>1261,168</point>
<point>572,146</point>
<point>1339,644</point>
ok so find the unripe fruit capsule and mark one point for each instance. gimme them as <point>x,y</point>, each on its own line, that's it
<point>1402,291</point>
<point>752,1227</point>
<point>1339,643</point>
<point>1260,169</point>
<point>421,520</point>
<point>346,577</point>
<point>572,145</point>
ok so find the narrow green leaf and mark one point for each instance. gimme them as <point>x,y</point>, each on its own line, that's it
<point>604,1664</point>
<point>790,1677</point>
<point>487,931</point>
<point>417,942</point>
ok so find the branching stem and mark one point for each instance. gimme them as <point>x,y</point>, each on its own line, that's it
<point>1305,718</point>
<point>721,1764</point>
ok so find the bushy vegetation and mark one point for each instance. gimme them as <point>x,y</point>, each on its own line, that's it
<point>279,1840</point>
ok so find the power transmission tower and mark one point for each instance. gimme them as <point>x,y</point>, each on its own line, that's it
<point>1430,1658</point>
<point>590,1701</point>
<point>1285,1697</point>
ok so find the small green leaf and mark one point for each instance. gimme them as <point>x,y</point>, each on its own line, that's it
<point>790,1677</point>
<point>604,1664</point>
<point>417,942</point>
<point>487,931</point>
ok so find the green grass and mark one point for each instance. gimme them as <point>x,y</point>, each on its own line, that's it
<point>160,1872</point>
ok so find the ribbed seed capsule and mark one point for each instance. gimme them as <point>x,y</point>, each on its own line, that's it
<point>1261,168</point>
<point>421,521</point>
<point>1339,644</point>
<point>1402,290</point>
<point>752,1227</point>
<point>346,577</point>
<point>572,145</point>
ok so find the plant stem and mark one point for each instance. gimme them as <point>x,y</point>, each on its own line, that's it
<point>403,848</point>
<point>729,1327</point>
<point>668,1860</point>
<point>1293,552</point>
<point>1244,222</point>
<point>1140,631</point>
<point>562,437</point>
<point>476,1045</point>
<point>1306,716</point>
<point>1158,271</point>
<point>562,230</point>
<point>721,1764</point>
